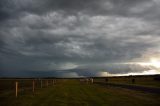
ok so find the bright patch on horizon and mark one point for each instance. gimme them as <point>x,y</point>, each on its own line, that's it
<point>155,62</point>
<point>147,72</point>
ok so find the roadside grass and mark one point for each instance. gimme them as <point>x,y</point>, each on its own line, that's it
<point>146,81</point>
<point>74,93</point>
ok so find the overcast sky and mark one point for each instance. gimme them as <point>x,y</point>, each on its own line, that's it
<point>72,38</point>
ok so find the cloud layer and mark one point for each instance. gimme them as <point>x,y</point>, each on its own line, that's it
<point>77,37</point>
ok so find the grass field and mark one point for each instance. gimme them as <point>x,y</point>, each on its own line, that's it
<point>75,93</point>
<point>148,81</point>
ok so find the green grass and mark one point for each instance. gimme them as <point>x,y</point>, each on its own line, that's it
<point>74,93</point>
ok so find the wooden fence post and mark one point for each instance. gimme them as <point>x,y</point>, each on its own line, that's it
<point>41,84</point>
<point>47,83</point>
<point>16,84</point>
<point>53,82</point>
<point>33,86</point>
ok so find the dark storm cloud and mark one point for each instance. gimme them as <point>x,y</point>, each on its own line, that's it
<point>16,8</point>
<point>45,35</point>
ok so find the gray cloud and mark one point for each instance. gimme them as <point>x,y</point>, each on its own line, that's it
<point>38,35</point>
<point>17,8</point>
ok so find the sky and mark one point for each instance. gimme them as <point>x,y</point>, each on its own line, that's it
<point>79,38</point>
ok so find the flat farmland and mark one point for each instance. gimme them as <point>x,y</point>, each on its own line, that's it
<point>72,92</point>
<point>145,80</point>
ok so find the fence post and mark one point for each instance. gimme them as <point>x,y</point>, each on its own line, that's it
<point>16,88</point>
<point>41,84</point>
<point>33,86</point>
<point>53,82</point>
<point>47,83</point>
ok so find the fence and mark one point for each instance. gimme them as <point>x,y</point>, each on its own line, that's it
<point>22,85</point>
